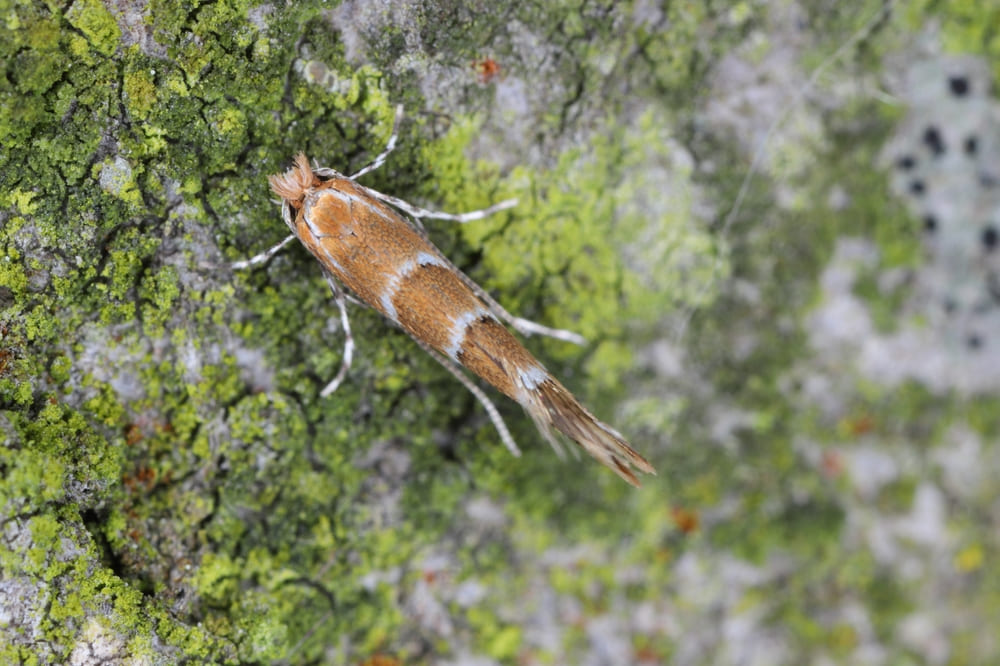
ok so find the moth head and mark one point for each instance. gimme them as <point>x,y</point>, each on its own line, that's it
<point>293,184</point>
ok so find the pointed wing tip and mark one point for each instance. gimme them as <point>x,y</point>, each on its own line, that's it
<point>622,469</point>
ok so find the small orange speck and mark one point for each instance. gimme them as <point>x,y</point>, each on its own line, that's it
<point>146,476</point>
<point>686,520</point>
<point>133,434</point>
<point>862,425</point>
<point>832,464</point>
<point>488,69</point>
<point>647,655</point>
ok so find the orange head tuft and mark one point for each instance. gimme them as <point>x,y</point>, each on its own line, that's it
<point>292,185</point>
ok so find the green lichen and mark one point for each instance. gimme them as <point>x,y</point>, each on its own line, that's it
<point>96,23</point>
<point>965,26</point>
<point>13,277</point>
<point>20,200</point>
<point>140,91</point>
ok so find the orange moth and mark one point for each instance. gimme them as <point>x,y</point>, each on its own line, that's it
<point>364,244</point>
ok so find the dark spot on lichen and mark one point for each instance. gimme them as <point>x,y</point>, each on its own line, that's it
<point>971,145</point>
<point>989,238</point>
<point>934,141</point>
<point>959,85</point>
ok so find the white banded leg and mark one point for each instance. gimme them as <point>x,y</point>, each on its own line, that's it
<point>523,326</point>
<point>461,218</point>
<point>263,256</point>
<point>389,147</point>
<point>487,404</point>
<point>345,365</point>
<point>408,208</point>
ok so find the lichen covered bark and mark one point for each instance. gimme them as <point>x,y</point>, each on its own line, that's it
<point>174,489</point>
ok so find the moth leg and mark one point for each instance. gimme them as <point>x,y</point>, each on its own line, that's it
<point>389,147</point>
<point>338,295</point>
<point>263,256</point>
<point>487,404</point>
<point>409,208</point>
<point>528,328</point>
<point>461,218</point>
<point>523,326</point>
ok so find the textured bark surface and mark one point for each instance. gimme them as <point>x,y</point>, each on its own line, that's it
<point>775,224</point>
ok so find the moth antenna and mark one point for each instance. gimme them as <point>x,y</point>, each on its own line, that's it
<point>292,185</point>
<point>551,406</point>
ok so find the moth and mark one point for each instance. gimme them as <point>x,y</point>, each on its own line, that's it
<point>363,243</point>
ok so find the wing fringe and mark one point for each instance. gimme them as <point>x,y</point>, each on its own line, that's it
<point>551,406</point>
